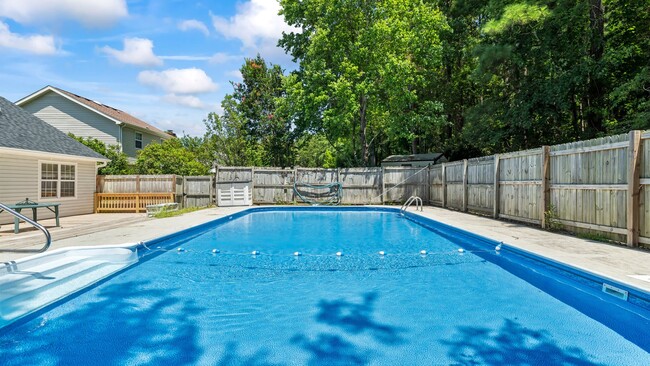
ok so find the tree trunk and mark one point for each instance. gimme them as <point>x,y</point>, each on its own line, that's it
<point>593,99</point>
<point>363,141</point>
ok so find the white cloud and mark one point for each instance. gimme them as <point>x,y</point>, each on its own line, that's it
<point>137,51</point>
<point>185,58</point>
<point>184,100</point>
<point>235,75</point>
<point>178,81</point>
<point>222,58</point>
<point>257,22</point>
<point>193,24</point>
<point>96,13</point>
<point>36,44</point>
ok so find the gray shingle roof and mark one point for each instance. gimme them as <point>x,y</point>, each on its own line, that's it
<point>20,129</point>
<point>416,157</point>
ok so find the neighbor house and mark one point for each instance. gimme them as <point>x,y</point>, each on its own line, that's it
<point>72,113</point>
<point>43,164</point>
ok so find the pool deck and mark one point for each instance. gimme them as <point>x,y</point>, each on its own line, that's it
<point>614,261</point>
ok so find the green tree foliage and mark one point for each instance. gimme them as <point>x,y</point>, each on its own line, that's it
<point>119,163</point>
<point>169,157</point>
<point>365,70</point>
<point>253,129</point>
<point>314,151</point>
<point>462,77</point>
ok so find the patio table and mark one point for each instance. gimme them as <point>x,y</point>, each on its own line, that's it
<point>54,207</point>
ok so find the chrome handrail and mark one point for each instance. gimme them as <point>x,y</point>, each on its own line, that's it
<point>409,202</point>
<point>48,237</point>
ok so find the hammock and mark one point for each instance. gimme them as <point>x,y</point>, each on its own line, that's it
<point>319,194</point>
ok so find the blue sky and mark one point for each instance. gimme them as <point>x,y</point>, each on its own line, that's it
<point>168,62</point>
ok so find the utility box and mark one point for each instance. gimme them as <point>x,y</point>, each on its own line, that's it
<point>234,194</point>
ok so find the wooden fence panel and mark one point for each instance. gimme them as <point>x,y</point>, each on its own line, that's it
<point>135,183</point>
<point>454,178</point>
<point>436,188</point>
<point>273,186</point>
<point>404,182</point>
<point>234,174</point>
<point>520,185</point>
<point>480,184</point>
<point>198,191</point>
<point>361,185</point>
<point>589,184</point>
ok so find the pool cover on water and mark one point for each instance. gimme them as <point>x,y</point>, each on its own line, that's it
<point>361,308</point>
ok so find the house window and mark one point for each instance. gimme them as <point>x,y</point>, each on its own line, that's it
<point>58,180</point>
<point>138,140</point>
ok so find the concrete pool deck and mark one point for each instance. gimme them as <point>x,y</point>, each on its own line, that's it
<point>626,265</point>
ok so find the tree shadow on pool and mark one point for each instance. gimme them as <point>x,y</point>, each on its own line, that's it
<point>123,323</point>
<point>352,320</point>
<point>512,344</point>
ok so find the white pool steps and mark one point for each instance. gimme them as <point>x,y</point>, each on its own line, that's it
<point>38,281</point>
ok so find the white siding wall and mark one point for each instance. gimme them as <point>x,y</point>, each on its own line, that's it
<point>69,116</point>
<point>19,180</point>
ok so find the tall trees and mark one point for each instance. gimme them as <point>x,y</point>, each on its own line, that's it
<point>364,69</point>
<point>464,77</point>
<point>253,130</point>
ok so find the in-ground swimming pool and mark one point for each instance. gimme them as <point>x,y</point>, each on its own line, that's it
<point>194,306</point>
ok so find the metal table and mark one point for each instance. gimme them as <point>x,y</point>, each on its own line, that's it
<point>54,207</point>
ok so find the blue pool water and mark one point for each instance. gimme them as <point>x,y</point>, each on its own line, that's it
<point>195,307</point>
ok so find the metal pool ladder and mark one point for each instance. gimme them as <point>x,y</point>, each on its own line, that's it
<point>48,237</point>
<point>413,199</point>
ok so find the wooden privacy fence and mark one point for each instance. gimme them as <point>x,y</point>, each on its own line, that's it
<point>596,186</point>
<point>132,193</point>
<point>360,185</point>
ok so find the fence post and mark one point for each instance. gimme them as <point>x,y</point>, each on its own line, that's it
<point>137,184</point>
<point>428,190</point>
<point>444,185</point>
<point>295,176</point>
<point>633,188</point>
<point>545,199</point>
<point>216,185</point>
<point>495,203</point>
<point>211,190</point>
<point>252,185</point>
<point>184,193</point>
<point>464,185</point>
<point>383,185</point>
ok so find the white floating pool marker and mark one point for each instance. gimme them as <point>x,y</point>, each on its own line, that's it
<point>461,250</point>
<point>423,252</point>
<point>339,254</point>
<point>381,252</point>
<point>215,250</point>
<point>180,249</point>
<point>297,254</point>
<point>255,252</point>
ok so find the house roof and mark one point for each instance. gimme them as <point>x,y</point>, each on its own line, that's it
<point>114,114</point>
<point>415,157</point>
<point>22,130</point>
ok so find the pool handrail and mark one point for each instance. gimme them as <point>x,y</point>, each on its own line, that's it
<point>48,237</point>
<point>409,202</point>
